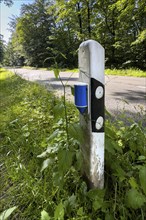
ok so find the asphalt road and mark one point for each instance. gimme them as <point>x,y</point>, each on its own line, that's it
<point>122,94</point>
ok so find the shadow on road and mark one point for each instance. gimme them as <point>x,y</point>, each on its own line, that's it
<point>132,96</point>
<point>55,83</point>
<point>64,79</point>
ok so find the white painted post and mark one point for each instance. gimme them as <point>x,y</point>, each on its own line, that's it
<point>91,71</point>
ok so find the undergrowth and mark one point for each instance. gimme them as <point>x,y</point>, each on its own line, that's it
<point>41,161</point>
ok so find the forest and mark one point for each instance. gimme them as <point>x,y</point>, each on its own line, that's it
<point>50,31</point>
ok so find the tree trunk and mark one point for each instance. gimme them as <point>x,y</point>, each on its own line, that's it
<point>79,17</point>
<point>88,19</point>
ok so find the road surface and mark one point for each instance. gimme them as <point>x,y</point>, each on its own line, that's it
<point>122,94</point>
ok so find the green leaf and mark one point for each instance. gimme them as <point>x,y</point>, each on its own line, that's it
<point>59,212</point>
<point>79,158</point>
<point>142,177</point>
<point>94,194</point>
<point>5,214</point>
<point>70,204</point>
<point>42,155</point>
<point>97,196</point>
<point>76,132</point>
<point>65,158</point>
<point>133,183</point>
<point>56,73</point>
<point>97,204</point>
<point>59,111</point>
<point>80,211</point>
<point>50,150</point>
<point>109,147</point>
<point>44,215</point>
<point>63,55</point>
<point>109,217</point>
<point>46,163</point>
<point>53,135</point>
<point>110,131</point>
<point>135,199</point>
<point>141,158</point>
<point>141,37</point>
<point>118,170</point>
<point>72,200</point>
<point>27,134</point>
<point>58,179</point>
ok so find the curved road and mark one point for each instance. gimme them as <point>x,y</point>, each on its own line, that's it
<point>122,94</point>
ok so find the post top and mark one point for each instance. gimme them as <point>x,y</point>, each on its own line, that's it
<point>90,43</point>
<point>80,84</point>
<point>91,61</point>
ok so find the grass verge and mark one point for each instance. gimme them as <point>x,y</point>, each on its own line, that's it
<point>117,72</point>
<point>40,162</point>
<point>126,72</point>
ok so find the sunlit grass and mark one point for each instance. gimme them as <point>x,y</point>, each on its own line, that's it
<point>126,72</point>
<point>117,72</point>
<point>35,68</point>
<point>4,74</point>
<point>25,110</point>
<point>76,70</point>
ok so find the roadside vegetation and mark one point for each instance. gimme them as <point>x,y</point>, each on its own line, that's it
<point>41,161</point>
<point>117,72</point>
<point>126,72</point>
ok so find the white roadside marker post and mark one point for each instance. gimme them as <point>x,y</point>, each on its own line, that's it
<point>89,99</point>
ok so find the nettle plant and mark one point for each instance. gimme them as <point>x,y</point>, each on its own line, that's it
<point>126,169</point>
<point>63,144</point>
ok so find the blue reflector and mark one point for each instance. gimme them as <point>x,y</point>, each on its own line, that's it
<point>81,97</point>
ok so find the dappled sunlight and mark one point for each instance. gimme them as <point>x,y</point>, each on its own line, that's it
<point>5,74</point>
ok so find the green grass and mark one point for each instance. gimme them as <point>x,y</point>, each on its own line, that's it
<point>35,68</point>
<point>26,121</point>
<point>126,72</point>
<point>117,72</point>
<point>40,163</point>
<point>4,75</point>
<point>51,68</point>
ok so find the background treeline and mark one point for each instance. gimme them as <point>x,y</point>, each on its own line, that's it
<point>49,31</point>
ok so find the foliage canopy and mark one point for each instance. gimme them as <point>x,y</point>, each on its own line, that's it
<point>47,27</point>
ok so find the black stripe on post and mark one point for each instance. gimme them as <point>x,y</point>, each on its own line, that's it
<point>97,105</point>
